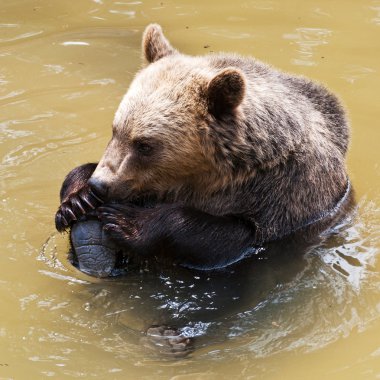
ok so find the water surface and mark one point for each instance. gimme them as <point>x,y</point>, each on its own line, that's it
<point>64,68</point>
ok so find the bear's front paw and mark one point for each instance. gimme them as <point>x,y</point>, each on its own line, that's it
<point>74,207</point>
<point>168,341</point>
<point>121,223</point>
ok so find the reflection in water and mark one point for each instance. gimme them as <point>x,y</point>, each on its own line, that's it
<point>352,253</point>
<point>288,297</point>
<point>307,41</point>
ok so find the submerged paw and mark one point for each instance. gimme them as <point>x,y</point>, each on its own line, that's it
<point>168,341</point>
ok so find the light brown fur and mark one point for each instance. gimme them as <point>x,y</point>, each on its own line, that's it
<point>231,136</point>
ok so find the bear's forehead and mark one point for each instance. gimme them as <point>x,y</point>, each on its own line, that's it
<point>173,73</point>
<point>160,123</point>
<point>148,111</point>
<point>159,91</point>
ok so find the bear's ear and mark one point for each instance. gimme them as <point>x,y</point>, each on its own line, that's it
<point>154,44</point>
<point>225,91</point>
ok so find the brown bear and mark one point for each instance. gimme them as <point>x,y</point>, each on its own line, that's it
<point>212,156</point>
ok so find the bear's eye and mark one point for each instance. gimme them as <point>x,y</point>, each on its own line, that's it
<point>144,148</point>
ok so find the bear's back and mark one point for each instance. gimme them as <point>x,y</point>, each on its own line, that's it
<point>264,79</point>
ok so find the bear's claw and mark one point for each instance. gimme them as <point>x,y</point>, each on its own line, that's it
<point>121,226</point>
<point>60,222</point>
<point>74,207</point>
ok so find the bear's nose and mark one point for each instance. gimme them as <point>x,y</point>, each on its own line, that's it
<point>100,188</point>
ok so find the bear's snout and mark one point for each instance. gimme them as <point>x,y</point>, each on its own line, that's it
<point>100,188</point>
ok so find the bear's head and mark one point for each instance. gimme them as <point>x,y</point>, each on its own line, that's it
<point>175,127</point>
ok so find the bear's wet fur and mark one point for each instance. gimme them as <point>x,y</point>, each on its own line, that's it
<point>213,155</point>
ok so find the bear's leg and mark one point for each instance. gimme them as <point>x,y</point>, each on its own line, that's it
<point>77,199</point>
<point>193,238</point>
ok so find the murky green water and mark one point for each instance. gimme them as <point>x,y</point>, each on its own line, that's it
<point>64,67</point>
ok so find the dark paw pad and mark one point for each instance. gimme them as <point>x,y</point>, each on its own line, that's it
<point>95,253</point>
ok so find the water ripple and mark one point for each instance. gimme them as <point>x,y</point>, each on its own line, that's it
<point>376,9</point>
<point>307,40</point>
<point>75,43</point>
<point>354,73</point>
<point>24,36</point>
